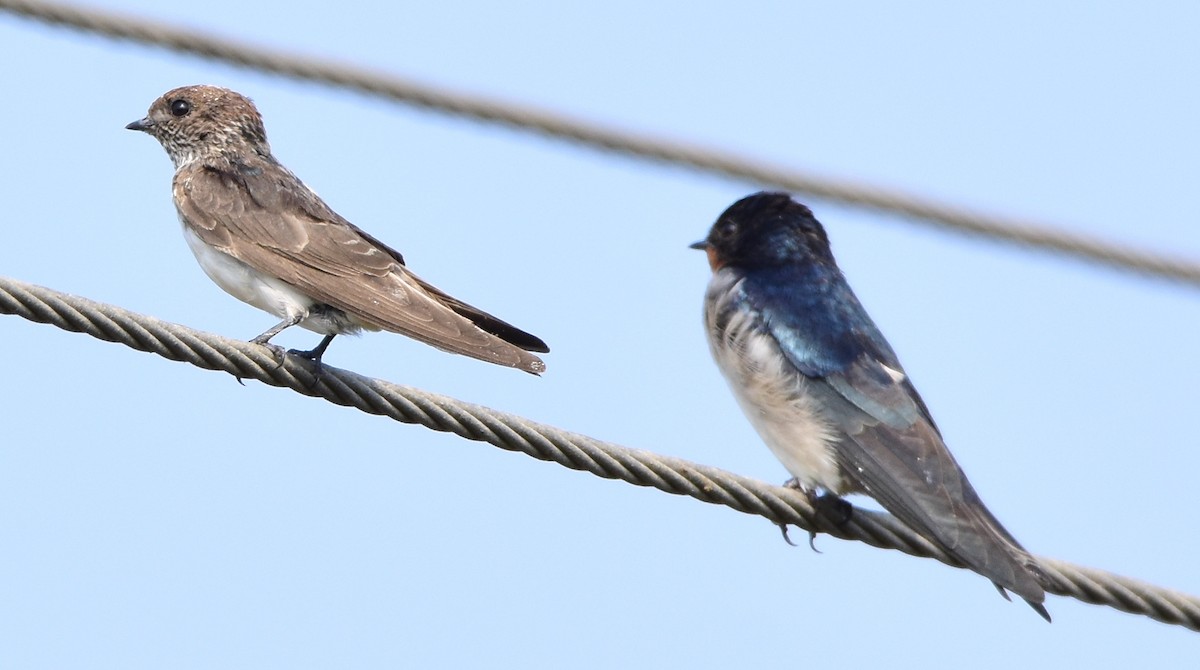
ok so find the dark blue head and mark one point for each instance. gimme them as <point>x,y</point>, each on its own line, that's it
<point>766,230</point>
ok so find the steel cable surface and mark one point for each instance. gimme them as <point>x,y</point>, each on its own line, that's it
<point>578,452</point>
<point>589,134</point>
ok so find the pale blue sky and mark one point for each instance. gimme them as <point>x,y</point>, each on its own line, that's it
<point>156,515</point>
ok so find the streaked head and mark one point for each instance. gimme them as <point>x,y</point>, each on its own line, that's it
<point>195,121</point>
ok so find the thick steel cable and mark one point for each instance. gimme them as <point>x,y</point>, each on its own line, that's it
<point>578,452</point>
<point>560,126</point>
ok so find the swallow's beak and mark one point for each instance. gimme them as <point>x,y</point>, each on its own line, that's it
<point>701,245</point>
<point>141,124</point>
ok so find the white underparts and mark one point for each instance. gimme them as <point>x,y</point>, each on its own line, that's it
<point>774,395</point>
<point>262,291</point>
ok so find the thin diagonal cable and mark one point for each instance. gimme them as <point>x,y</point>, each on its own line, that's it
<point>547,443</point>
<point>700,158</point>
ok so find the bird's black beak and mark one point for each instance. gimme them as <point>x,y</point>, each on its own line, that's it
<point>141,124</point>
<point>701,245</point>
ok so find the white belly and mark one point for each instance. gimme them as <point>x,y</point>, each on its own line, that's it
<point>776,399</point>
<point>253,287</point>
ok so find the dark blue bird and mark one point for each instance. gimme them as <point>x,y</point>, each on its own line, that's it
<point>827,394</point>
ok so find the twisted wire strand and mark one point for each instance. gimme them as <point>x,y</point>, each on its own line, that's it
<point>578,452</point>
<point>560,126</point>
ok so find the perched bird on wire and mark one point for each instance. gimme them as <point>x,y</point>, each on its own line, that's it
<point>268,240</point>
<point>825,391</point>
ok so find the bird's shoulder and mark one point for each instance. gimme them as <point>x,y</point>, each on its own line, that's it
<point>239,198</point>
<point>824,331</point>
<point>815,316</point>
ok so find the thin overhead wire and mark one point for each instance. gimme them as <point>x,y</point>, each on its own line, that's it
<point>578,452</point>
<point>524,117</point>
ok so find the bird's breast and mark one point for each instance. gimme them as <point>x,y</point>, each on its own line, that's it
<point>774,395</point>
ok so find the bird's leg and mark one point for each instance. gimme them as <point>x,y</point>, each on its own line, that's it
<point>833,508</point>
<point>265,338</point>
<point>315,353</point>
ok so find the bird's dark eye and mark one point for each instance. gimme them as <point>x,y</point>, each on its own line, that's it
<point>726,230</point>
<point>180,107</point>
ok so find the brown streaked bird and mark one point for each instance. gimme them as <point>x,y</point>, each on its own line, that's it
<point>268,240</point>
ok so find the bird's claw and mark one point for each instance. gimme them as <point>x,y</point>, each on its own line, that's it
<point>313,356</point>
<point>834,509</point>
<point>795,485</point>
<point>784,529</point>
<point>277,352</point>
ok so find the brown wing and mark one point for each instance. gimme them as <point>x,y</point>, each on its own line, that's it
<point>265,217</point>
<point>486,322</point>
